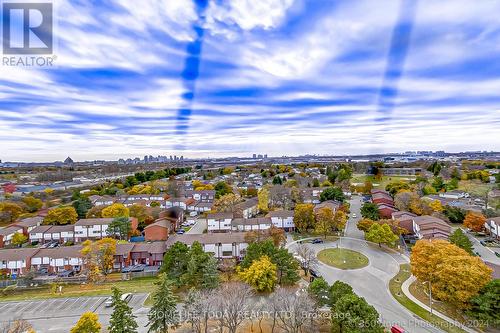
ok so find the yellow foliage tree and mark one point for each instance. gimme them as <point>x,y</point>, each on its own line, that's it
<point>115,210</point>
<point>88,323</point>
<point>340,220</point>
<point>61,216</point>
<point>261,274</point>
<point>436,206</point>
<point>98,257</point>
<point>474,221</point>
<point>325,221</point>
<point>263,197</point>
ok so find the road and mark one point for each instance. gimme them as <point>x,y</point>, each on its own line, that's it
<point>199,227</point>
<point>486,253</point>
<point>58,315</point>
<point>372,282</point>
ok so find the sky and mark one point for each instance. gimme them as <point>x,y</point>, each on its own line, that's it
<point>277,77</point>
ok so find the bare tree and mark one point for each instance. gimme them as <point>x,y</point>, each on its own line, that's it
<point>309,261</point>
<point>233,302</point>
<point>197,309</point>
<point>294,310</point>
<point>16,326</point>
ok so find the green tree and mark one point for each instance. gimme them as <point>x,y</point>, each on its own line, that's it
<point>163,314</point>
<point>332,193</point>
<point>303,217</point>
<point>82,206</point>
<point>61,216</point>
<point>395,187</point>
<point>454,214</point>
<point>352,313</point>
<point>197,258</point>
<point>261,274</point>
<point>486,305</point>
<point>32,204</point>
<point>88,323</point>
<point>122,320</point>
<point>210,278</point>
<point>381,234</point>
<point>461,240</point>
<point>175,262</point>
<point>337,291</point>
<point>120,226</point>
<point>319,290</point>
<point>222,188</point>
<point>369,210</point>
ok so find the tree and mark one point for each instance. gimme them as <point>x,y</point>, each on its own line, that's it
<point>115,210</point>
<point>210,278</point>
<point>163,314</point>
<point>485,306</point>
<point>88,323</point>
<point>395,187</point>
<point>303,217</point>
<point>197,258</point>
<point>120,226</point>
<point>325,221</point>
<point>291,307</point>
<point>461,240</point>
<point>232,301</point>
<point>340,220</point>
<point>98,256</point>
<point>175,262</point>
<point>474,221</point>
<point>32,204</point>
<point>436,206</point>
<point>381,234</point>
<point>319,290</point>
<point>226,203</point>
<point>369,210</point>
<point>454,214</point>
<point>222,188</point>
<point>338,290</point>
<point>94,212</point>
<point>261,274</point>
<point>61,216</point>
<point>16,326</point>
<point>122,320</point>
<point>309,260</point>
<point>19,239</point>
<point>353,314</point>
<point>82,206</point>
<point>455,275</point>
<point>9,211</point>
<point>139,212</point>
<point>263,197</point>
<point>332,193</point>
<point>365,224</point>
<point>277,235</point>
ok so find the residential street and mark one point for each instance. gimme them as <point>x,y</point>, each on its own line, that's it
<point>486,253</point>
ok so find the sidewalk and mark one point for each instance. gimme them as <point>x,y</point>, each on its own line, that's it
<point>406,290</point>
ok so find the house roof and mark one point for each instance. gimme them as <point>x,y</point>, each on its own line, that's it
<point>428,223</point>
<point>154,247</point>
<point>30,222</point>
<point>281,213</point>
<point>402,215</point>
<point>247,204</point>
<point>252,221</point>
<point>95,221</point>
<point>17,254</point>
<point>163,223</point>
<point>9,230</point>
<point>495,220</point>
<point>40,229</point>
<point>60,252</point>
<point>221,215</point>
<point>332,204</point>
<point>209,238</point>
<point>124,249</point>
<point>62,228</point>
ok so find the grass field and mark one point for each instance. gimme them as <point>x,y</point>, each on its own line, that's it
<point>139,285</point>
<point>380,184</point>
<point>475,187</point>
<point>343,258</point>
<point>395,289</point>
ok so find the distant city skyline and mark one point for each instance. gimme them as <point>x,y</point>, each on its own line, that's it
<point>284,77</point>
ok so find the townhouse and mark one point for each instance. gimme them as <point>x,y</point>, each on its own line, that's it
<point>492,226</point>
<point>150,254</point>
<point>122,257</point>
<point>405,220</point>
<point>332,204</point>
<point>201,195</point>
<point>247,209</point>
<point>158,230</point>
<point>221,245</point>
<point>430,227</point>
<point>29,224</point>
<point>58,259</point>
<point>16,261</point>
<point>96,228</point>
<point>7,234</point>
<point>219,222</point>
<point>282,219</point>
<point>251,224</point>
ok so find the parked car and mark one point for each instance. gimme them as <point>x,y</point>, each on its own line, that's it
<point>317,241</point>
<point>397,329</point>
<point>126,269</point>
<point>42,271</point>
<point>314,273</point>
<point>497,254</point>
<point>66,273</point>
<point>180,231</point>
<point>354,215</point>
<point>137,268</point>
<point>125,297</point>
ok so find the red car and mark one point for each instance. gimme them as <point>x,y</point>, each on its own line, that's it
<point>397,329</point>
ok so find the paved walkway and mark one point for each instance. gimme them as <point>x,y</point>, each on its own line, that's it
<point>406,290</point>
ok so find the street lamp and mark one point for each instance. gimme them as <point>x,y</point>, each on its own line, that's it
<point>430,294</point>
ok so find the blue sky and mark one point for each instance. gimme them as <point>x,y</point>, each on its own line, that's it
<point>227,78</point>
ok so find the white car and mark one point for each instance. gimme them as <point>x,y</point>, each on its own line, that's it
<point>354,215</point>
<point>125,297</point>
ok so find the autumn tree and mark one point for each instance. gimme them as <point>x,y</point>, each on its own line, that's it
<point>474,221</point>
<point>261,274</point>
<point>325,221</point>
<point>9,211</point>
<point>303,217</point>
<point>436,206</point>
<point>381,234</point>
<point>32,204</point>
<point>308,259</point>
<point>88,323</point>
<point>19,239</point>
<point>98,256</point>
<point>277,235</point>
<point>226,203</point>
<point>115,210</point>
<point>61,216</point>
<point>263,197</point>
<point>340,220</point>
<point>454,274</point>
<point>139,212</point>
<point>397,186</point>
<point>365,224</point>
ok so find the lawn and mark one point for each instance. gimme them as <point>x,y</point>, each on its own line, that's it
<point>475,187</point>
<point>380,184</point>
<point>138,285</point>
<point>343,258</point>
<point>395,289</point>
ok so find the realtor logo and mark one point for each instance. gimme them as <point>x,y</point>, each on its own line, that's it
<point>27,28</point>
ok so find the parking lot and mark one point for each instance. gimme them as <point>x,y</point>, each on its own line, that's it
<point>60,314</point>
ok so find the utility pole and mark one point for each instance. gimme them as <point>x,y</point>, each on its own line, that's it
<point>430,295</point>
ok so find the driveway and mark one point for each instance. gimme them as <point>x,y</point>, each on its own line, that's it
<point>60,314</point>
<point>198,227</point>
